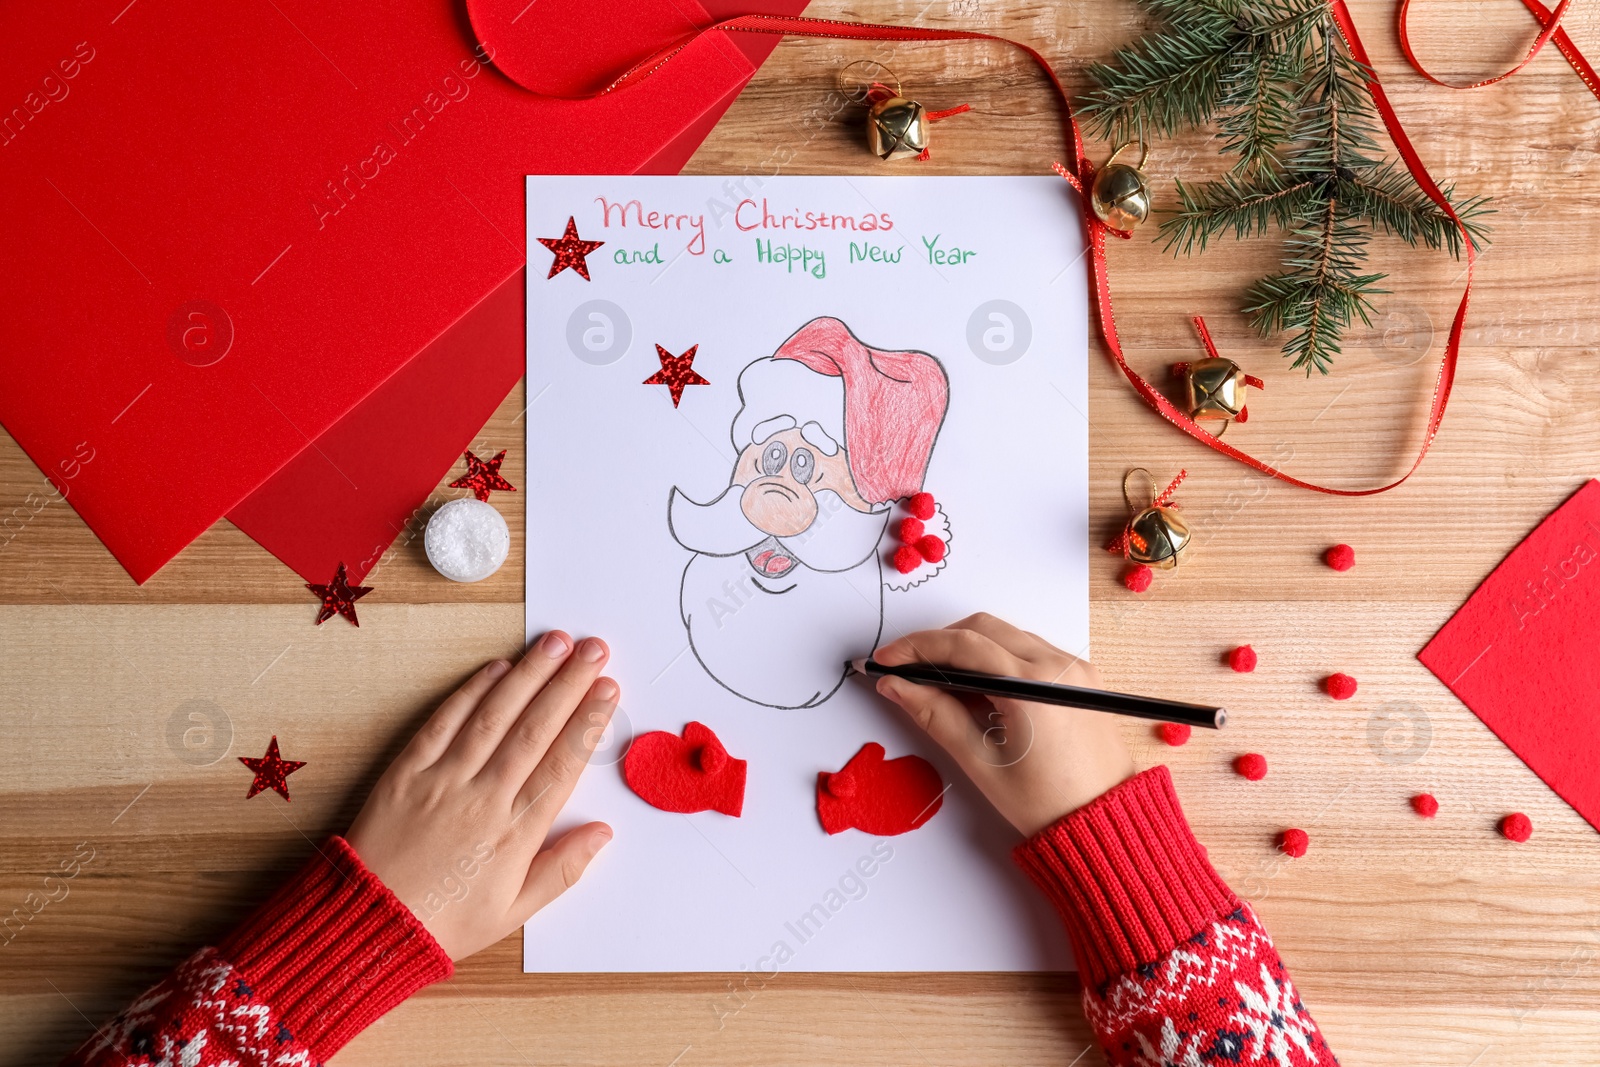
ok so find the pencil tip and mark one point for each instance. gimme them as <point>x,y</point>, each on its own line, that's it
<point>855,666</point>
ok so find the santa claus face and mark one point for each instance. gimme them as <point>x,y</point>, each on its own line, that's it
<point>782,476</point>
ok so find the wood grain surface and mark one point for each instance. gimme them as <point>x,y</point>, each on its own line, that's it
<point>1413,942</point>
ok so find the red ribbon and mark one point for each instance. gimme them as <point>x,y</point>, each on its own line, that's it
<point>1550,29</point>
<point>1080,174</point>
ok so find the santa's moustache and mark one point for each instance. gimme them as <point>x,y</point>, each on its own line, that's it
<point>840,537</point>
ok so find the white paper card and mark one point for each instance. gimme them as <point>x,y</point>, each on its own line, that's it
<point>860,338</point>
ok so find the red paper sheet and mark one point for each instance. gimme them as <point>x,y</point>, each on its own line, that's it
<point>1524,652</point>
<point>183,183</point>
<point>367,475</point>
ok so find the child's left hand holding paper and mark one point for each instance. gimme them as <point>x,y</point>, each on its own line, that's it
<point>456,826</point>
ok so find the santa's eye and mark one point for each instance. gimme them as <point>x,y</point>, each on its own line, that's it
<point>773,457</point>
<point>804,465</point>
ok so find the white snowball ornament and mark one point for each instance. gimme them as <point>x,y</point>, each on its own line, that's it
<point>467,540</point>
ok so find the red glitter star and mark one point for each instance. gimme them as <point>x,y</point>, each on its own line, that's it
<point>272,771</point>
<point>481,477</point>
<point>570,250</point>
<point>676,372</point>
<point>338,598</point>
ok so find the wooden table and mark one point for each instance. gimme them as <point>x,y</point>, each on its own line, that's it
<point>1414,942</point>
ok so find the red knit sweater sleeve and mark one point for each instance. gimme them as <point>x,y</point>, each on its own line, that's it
<point>328,954</point>
<point>1177,971</point>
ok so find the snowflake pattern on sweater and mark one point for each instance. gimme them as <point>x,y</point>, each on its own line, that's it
<point>1221,997</point>
<point>1177,970</point>
<point>204,1014</point>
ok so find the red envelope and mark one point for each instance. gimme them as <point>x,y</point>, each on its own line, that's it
<point>264,259</point>
<point>1524,651</point>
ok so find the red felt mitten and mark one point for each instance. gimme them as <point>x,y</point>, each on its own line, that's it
<point>685,774</point>
<point>878,796</point>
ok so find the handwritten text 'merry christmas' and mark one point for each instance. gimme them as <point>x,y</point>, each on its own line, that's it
<point>747,216</point>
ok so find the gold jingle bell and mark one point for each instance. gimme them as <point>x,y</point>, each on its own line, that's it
<point>1215,389</point>
<point>1156,535</point>
<point>897,127</point>
<point>1120,195</point>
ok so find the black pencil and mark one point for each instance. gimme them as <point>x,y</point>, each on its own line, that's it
<point>1070,696</point>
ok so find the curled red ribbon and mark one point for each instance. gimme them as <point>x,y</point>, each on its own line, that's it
<point>1080,175</point>
<point>1550,29</point>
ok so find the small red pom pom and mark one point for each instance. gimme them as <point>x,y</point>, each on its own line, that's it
<point>1340,686</point>
<point>907,559</point>
<point>910,531</point>
<point>921,505</point>
<point>1425,805</point>
<point>1252,765</point>
<point>1293,842</point>
<point>1174,733</point>
<point>1340,557</point>
<point>1138,577</point>
<point>841,784</point>
<point>931,547</point>
<point>1516,827</point>
<point>1242,659</point>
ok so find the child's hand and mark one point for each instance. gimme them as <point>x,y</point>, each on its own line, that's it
<point>454,826</point>
<point>1034,762</point>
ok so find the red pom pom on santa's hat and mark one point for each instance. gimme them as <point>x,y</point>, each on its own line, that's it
<point>1242,659</point>
<point>910,531</point>
<point>1516,827</point>
<point>1174,733</point>
<point>1294,842</point>
<point>1425,805</point>
<point>931,547</point>
<point>1339,686</point>
<point>1251,765</point>
<point>1340,557</point>
<point>1138,577</point>
<point>921,505</point>
<point>907,559</point>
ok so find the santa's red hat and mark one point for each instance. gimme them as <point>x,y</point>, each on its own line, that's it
<point>894,404</point>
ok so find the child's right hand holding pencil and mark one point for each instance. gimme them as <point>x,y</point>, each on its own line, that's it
<point>1034,762</point>
<point>1175,967</point>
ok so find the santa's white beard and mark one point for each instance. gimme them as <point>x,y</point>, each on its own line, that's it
<point>780,640</point>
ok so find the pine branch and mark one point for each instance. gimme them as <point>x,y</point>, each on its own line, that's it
<point>1321,293</point>
<point>1291,105</point>
<point>1207,14</point>
<point>1163,84</point>
<point>1235,204</point>
<point>1258,110</point>
<point>1391,201</point>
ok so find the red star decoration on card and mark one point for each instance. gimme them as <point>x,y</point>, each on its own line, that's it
<point>570,250</point>
<point>676,372</point>
<point>482,477</point>
<point>272,771</point>
<point>338,598</point>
